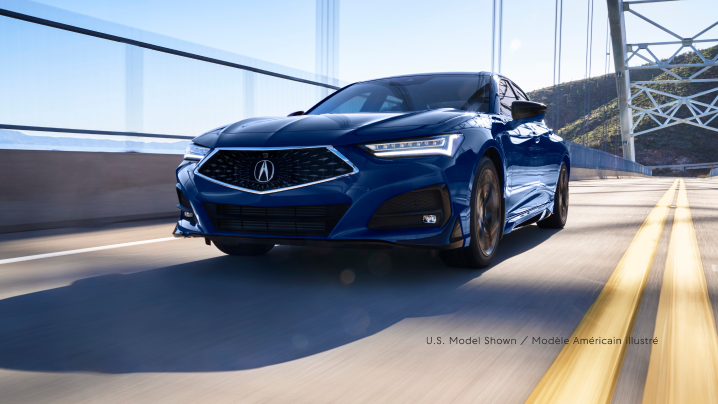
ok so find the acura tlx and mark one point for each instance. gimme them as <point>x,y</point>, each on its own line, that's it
<point>446,161</point>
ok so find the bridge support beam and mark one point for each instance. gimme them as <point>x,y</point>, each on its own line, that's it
<point>623,78</point>
<point>644,108</point>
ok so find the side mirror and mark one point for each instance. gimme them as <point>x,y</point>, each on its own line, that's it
<point>526,109</point>
<point>297,113</point>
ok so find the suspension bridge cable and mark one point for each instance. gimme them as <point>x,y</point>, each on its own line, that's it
<point>557,64</point>
<point>555,39</point>
<point>501,29</point>
<point>493,36</point>
<point>606,69</point>
<point>587,71</point>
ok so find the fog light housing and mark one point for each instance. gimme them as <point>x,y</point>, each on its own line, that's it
<point>188,215</point>
<point>424,207</point>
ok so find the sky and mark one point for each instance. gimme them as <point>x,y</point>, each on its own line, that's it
<point>380,38</point>
<point>54,78</point>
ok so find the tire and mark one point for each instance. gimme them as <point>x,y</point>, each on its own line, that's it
<point>560,203</point>
<point>486,226</point>
<point>243,250</point>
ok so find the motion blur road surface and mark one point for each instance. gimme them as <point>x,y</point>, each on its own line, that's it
<point>177,321</point>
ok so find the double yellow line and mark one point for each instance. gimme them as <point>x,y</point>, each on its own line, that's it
<point>684,363</point>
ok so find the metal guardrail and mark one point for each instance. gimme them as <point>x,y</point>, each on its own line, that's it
<point>586,157</point>
<point>684,167</point>
<point>92,132</point>
<point>146,45</point>
<point>115,38</point>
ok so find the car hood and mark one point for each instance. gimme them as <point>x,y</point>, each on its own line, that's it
<point>333,129</point>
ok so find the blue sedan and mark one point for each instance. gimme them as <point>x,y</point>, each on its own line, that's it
<point>447,161</point>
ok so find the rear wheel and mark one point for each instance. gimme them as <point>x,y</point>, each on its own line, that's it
<point>243,250</point>
<point>486,226</point>
<point>560,203</point>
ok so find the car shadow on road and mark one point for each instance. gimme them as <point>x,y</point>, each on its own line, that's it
<point>230,313</point>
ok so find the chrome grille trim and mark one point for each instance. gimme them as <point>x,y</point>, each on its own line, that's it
<point>330,148</point>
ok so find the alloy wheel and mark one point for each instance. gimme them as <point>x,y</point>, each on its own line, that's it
<point>488,214</point>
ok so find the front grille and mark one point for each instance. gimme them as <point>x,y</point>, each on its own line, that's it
<point>283,220</point>
<point>270,170</point>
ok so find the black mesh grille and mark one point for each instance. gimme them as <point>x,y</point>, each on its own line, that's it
<point>187,212</point>
<point>412,202</point>
<point>284,220</point>
<point>282,168</point>
<point>183,200</point>
<point>407,210</point>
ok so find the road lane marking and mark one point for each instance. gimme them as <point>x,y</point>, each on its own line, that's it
<point>83,250</point>
<point>586,373</point>
<point>684,364</point>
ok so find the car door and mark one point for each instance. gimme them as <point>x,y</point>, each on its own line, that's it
<point>521,151</point>
<point>548,162</point>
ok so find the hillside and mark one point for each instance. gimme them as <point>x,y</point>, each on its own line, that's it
<point>679,144</point>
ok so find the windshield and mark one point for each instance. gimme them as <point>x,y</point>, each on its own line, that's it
<point>411,93</point>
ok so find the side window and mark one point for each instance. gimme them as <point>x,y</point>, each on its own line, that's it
<point>521,96</point>
<point>506,97</point>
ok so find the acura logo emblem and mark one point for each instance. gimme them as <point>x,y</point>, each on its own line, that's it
<point>264,171</point>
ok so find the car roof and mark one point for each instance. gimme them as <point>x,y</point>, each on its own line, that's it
<point>431,74</point>
<point>482,73</point>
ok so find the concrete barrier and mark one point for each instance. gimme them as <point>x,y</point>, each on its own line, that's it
<point>52,189</point>
<point>592,164</point>
<point>580,174</point>
<point>714,173</point>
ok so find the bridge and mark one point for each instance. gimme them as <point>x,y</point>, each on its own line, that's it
<point>99,303</point>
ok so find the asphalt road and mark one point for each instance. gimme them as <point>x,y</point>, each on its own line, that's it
<point>177,321</point>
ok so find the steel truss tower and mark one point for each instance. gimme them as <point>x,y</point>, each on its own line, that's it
<point>640,102</point>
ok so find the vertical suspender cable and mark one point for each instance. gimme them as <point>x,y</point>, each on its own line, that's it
<point>501,28</point>
<point>558,25</point>
<point>587,74</point>
<point>555,39</point>
<point>558,76</point>
<point>590,62</point>
<point>606,70</point>
<point>493,36</point>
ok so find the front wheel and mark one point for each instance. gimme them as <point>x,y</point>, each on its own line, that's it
<point>243,250</point>
<point>486,225</point>
<point>560,203</point>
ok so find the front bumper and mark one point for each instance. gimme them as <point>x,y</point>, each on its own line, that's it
<point>376,181</point>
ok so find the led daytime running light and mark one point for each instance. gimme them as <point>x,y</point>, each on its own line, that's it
<point>444,145</point>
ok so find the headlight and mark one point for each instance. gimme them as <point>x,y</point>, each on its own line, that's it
<point>195,152</point>
<point>443,145</point>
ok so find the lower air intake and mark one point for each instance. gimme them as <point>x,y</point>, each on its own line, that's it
<point>316,221</point>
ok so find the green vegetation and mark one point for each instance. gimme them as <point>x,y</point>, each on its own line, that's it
<point>680,144</point>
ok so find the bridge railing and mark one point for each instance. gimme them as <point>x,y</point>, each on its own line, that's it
<point>586,157</point>
<point>69,76</point>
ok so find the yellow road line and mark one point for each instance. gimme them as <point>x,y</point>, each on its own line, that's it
<point>586,373</point>
<point>684,364</point>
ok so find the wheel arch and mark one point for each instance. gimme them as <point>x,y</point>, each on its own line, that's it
<point>492,150</point>
<point>567,160</point>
